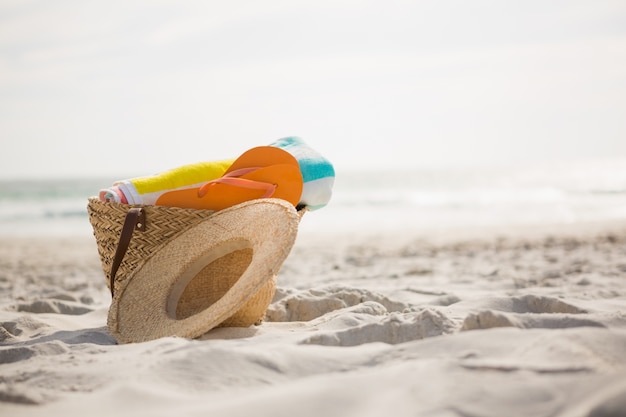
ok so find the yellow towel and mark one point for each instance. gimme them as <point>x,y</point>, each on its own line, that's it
<point>146,190</point>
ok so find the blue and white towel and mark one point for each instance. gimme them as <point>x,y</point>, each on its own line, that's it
<point>318,173</point>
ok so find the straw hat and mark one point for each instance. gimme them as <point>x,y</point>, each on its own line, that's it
<point>221,271</point>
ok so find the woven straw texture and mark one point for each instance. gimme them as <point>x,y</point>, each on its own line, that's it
<point>164,224</point>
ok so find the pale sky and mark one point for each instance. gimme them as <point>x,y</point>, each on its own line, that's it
<point>134,87</point>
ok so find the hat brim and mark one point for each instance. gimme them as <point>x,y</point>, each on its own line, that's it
<point>237,251</point>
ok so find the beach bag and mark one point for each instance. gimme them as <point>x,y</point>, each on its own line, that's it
<point>181,272</point>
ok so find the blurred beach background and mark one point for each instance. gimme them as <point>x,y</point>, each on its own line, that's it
<point>434,113</point>
<point>418,202</point>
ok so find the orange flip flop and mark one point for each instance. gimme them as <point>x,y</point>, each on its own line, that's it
<point>261,172</point>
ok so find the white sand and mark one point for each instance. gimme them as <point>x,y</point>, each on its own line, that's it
<point>529,325</point>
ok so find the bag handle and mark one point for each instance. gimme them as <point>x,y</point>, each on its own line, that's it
<point>135,219</point>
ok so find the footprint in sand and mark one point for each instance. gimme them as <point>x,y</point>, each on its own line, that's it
<point>528,312</point>
<point>20,353</point>
<point>488,319</point>
<point>346,316</point>
<point>10,330</point>
<point>54,306</point>
<point>394,328</point>
<point>313,303</point>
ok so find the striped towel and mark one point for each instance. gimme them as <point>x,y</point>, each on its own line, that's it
<point>318,173</point>
<point>146,190</point>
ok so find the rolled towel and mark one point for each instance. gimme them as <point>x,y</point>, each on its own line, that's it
<point>318,173</point>
<point>146,190</point>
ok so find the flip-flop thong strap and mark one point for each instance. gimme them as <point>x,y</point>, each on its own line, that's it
<point>231,178</point>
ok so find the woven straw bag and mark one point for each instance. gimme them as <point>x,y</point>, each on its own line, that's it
<point>128,236</point>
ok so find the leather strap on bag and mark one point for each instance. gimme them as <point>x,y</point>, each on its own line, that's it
<point>135,219</point>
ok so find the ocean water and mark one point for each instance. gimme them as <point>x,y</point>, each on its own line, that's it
<point>46,207</point>
<point>377,201</point>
